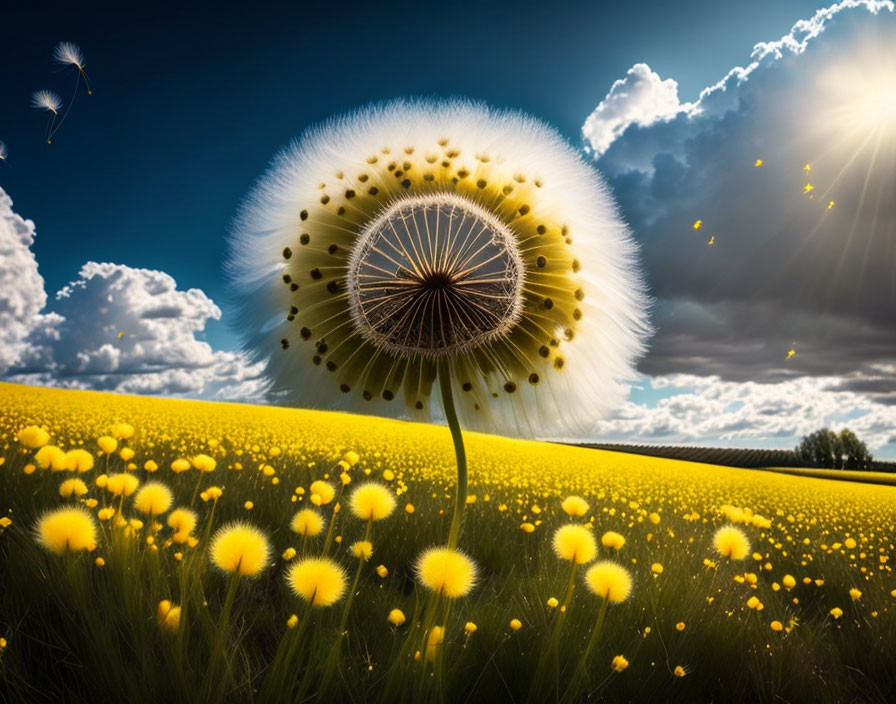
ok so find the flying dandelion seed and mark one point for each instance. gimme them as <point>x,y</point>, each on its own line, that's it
<point>808,188</point>
<point>712,241</point>
<point>48,100</point>
<point>791,353</point>
<point>420,254</point>
<point>807,168</point>
<point>69,54</point>
<point>758,163</point>
<point>830,205</point>
<point>3,153</point>
<point>698,224</point>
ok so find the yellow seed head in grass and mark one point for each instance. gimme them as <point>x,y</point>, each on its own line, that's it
<point>515,624</point>
<point>72,487</point>
<point>855,594</point>
<point>153,499</point>
<point>836,612</point>
<point>731,542</point>
<point>788,581</point>
<point>575,506</point>
<point>396,617</point>
<point>204,463</point>
<point>610,581</point>
<point>362,549</point>
<point>67,529</point>
<point>50,457</point>
<point>470,628</point>
<point>447,572</point>
<point>78,460</point>
<point>372,502</point>
<point>679,671</point>
<point>122,484</point>
<point>324,490</point>
<point>240,547</point>
<point>33,437</point>
<point>107,444</point>
<point>307,522</point>
<point>168,616</point>
<point>318,580</point>
<point>612,539</point>
<point>575,544</point>
<point>619,663</point>
<point>182,520</point>
<point>777,626</point>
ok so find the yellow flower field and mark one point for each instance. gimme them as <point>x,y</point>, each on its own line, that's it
<point>186,551</point>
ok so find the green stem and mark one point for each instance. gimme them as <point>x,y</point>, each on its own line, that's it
<point>582,669</point>
<point>460,499</point>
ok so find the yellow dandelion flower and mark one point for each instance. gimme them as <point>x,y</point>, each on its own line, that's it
<point>180,465</point>
<point>575,506</point>
<point>307,522</point>
<point>788,581</point>
<point>575,544</point>
<point>72,487</point>
<point>50,457</point>
<point>107,444</point>
<point>122,431</point>
<point>33,437</point>
<point>680,626</point>
<point>122,484</point>
<point>319,581</point>
<point>447,572</point>
<point>153,499</point>
<point>382,571</point>
<point>836,612</point>
<point>515,624</point>
<point>78,460</point>
<point>619,663</point>
<point>679,671</point>
<point>409,508</point>
<point>527,528</point>
<point>324,491</point>
<point>610,581</point>
<point>372,502</point>
<point>656,568</point>
<point>777,626</point>
<point>362,549</point>
<point>470,628</point>
<point>433,641</point>
<point>204,463</point>
<point>612,539</point>
<point>182,520</point>
<point>731,542</point>
<point>396,617</point>
<point>855,594</point>
<point>150,466</point>
<point>67,529</point>
<point>168,616</point>
<point>553,603</point>
<point>240,547</point>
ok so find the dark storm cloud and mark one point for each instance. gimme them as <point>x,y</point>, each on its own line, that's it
<point>785,267</point>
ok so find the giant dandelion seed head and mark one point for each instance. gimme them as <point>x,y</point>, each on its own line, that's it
<point>46,100</point>
<point>154,498</point>
<point>413,236</point>
<point>69,53</point>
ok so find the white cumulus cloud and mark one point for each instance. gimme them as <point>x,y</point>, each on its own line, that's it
<point>641,98</point>
<point>22,293</point>
<point>114,328</point>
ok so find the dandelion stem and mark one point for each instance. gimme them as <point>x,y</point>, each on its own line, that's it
<point>460,498</point>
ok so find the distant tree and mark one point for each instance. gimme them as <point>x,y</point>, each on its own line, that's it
<point>855,452</point>
<point>825,448</point>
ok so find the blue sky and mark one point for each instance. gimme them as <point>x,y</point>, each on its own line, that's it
<point>190,104</point>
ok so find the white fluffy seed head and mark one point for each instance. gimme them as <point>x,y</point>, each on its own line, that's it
<point>3,152</point>
<point>46,100</point>
<point>418,233</point>
<point>69,53</point>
